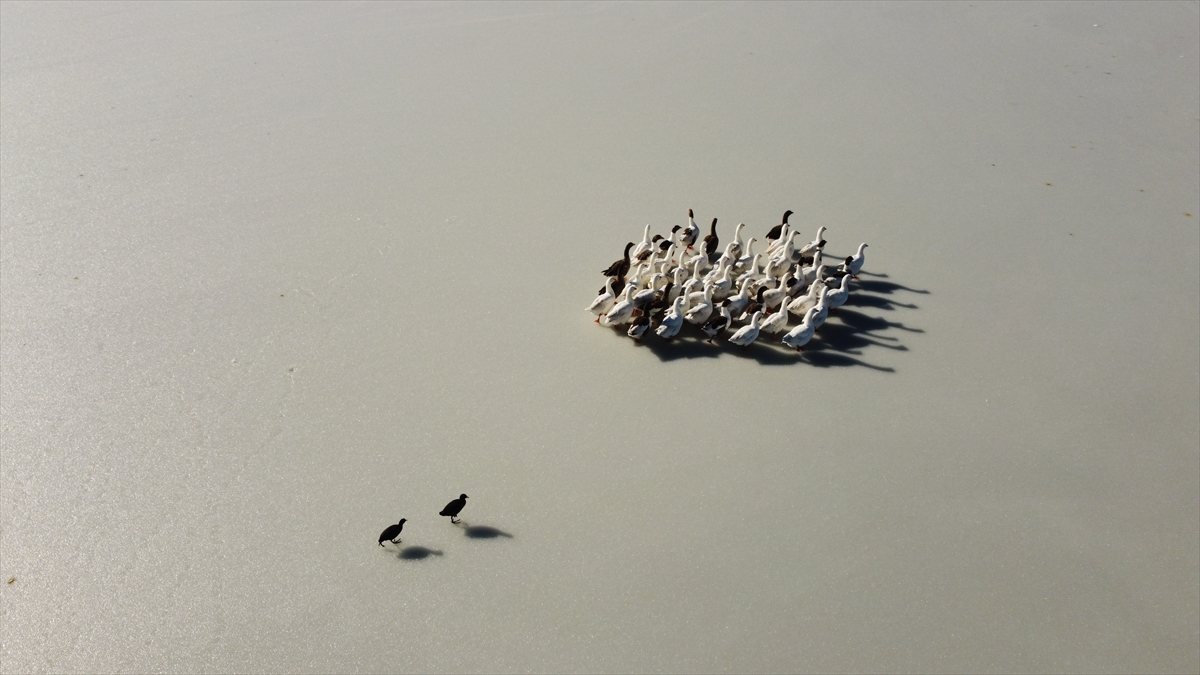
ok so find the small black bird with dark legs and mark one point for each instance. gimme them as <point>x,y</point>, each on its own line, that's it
<point>392,533</point>
<point>454,507</point>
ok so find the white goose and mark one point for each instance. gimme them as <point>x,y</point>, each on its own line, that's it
<point>647,294</point>
<point>621,312</point>
<point>801,304</point>
<point>672,321</point>
<point>604,301</point>
<point>737,240</point>
<point>776,296</point>
<point>737,303</point>
<point>809,249</point>
<point>702,307</point>
<point>838,297</point>
<point>643,245</point>
<point>747,334</point>
<point>822,312</point>
<point>855,264</point>
<point>800,335</point>
<point>775,322</point>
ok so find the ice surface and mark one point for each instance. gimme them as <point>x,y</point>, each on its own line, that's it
<point>274,276</point>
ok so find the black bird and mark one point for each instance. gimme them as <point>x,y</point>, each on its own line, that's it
<point>621,267</point>
<point>639,327</point>
<point>716,324</point>
<point>774,232</point>
<point>711,241</point>
<point>755,304</point>
<point>457,505</point>
<point>659,304</point>
<point>392,533</point>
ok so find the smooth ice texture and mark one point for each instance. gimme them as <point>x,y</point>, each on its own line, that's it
<point>273,276</point>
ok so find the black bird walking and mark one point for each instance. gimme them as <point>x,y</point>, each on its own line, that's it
<point>454,507</point>
<point>774,232</point>
<point>621,267</point>
<point>711,241</point>
<point>392,533</point>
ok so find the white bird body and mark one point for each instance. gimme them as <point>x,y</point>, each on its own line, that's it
<point>643,245</point>
<point>621,312</point>
<point>776,296</point>
<point>647,294</point>
<point>855,264</point>
<point>775,322</point>
<point>677,286</point>
<point>672,320</point>
<point>813,274</point>
<point>747,334</point>
<point>800,335</point>
<point>737,240</point>
<point>604,301</point>
<point>737,303</point>
<point>783,237</point>
<point>802,304</point>
<point>702,307</point>
<point>722,285</point>
<point>810,249</point>
<point>838,297</point>
<point>749,257</point>
<point>822,312</point>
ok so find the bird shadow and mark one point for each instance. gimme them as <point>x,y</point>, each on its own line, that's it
<point>886,287</point>
<point>417,553</point>
<point>840,342</point>
<point>483,532</point>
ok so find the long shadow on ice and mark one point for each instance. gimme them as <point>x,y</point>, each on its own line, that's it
<point>483,532</point>
<point>416,553</point>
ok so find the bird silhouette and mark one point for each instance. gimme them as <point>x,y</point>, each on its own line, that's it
<point>454,507</point>
<point>392,532</point>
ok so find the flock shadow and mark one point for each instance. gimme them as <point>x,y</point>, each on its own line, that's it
<point>850,332</point>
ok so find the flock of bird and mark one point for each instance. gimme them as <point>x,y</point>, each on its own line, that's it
<point>392,532</point>
<point>661,283</point>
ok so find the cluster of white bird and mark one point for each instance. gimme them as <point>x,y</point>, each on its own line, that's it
<point>663,282</point>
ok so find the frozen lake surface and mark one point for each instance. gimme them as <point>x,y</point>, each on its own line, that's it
<point>275,276</point>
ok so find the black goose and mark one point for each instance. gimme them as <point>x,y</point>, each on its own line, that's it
<point>756,304</point>
<point>454,507</point>
<point>717,324</point>
<point>775,231</point>
<point>660,303</point>
<point>621,267</point>
<point>392,532</point>
<point>711,241</point>
<point>639,327</point>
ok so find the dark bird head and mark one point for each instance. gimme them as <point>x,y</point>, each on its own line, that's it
<point>822,244</point>
<point>657,237</point>
<point>690,214</point>
<point>849,258</point>
<point>627,247</point>
<point>714,226</point>
<point>786,215</point>
<point>760,294</point>
<point>675,229</point>
<point>402,521</point>
<point>462,496</point>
